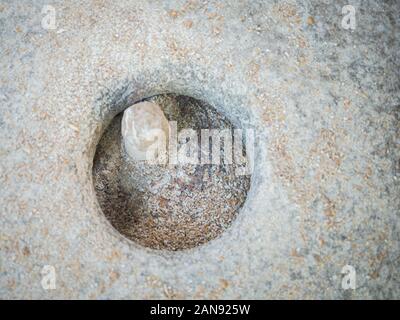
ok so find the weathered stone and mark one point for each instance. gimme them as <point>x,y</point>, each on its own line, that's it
<point>325,189</point>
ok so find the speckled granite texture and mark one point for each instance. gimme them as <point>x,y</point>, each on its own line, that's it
<point>325,190</point>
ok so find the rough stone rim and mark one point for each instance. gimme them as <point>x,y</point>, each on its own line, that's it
<point>125,95</point>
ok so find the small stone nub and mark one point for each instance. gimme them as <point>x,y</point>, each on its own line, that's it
<point>145,132</point>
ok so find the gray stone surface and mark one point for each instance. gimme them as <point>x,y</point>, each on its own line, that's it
<point>325,191</point>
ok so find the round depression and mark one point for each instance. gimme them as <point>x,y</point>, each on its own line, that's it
<point>175,206</point>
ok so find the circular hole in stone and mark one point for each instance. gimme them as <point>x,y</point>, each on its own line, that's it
<point>164,206</point>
